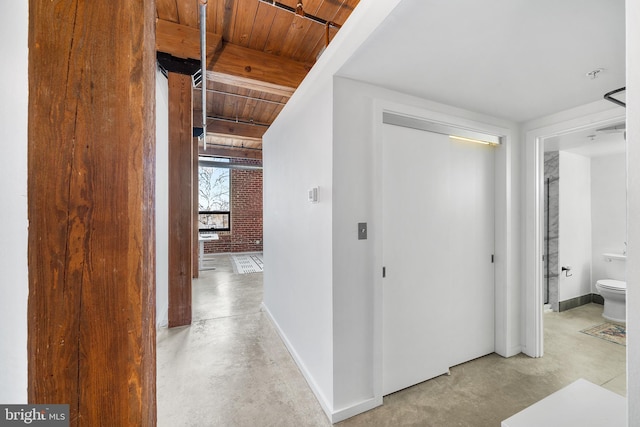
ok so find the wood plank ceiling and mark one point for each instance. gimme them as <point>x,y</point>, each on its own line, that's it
<point>257,55</point>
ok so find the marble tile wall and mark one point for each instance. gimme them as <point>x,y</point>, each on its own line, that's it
<point>551,225</point>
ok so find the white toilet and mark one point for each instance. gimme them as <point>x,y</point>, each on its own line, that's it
<point>614,293</point>
<point>613,289</point>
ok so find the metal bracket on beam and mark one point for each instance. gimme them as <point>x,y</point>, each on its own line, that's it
<point>171,64</point>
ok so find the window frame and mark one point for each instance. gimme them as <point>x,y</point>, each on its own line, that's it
<point>210,229</point>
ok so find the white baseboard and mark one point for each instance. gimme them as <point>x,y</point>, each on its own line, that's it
<point>334,416</point>
<point>356,409</point>
<point>327,407</point>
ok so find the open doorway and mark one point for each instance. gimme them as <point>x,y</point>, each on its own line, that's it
<point>582,184</point>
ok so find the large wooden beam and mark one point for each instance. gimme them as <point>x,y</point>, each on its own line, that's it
<point>183,41</point>
<point>180,198</point>
<point>228,151</point>
<point>254,65</point>
<point>195,181</point>
<point>232,64</point>
<point>229,127</point>
<point>251,84</point>
<point>91,315</point>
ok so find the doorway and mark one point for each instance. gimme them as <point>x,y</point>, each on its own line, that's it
<point>535,245</point>
<point>438,247</point>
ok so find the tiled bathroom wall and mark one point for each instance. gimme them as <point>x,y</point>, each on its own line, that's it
<point>551,226</point>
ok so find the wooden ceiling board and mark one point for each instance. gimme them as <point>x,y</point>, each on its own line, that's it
<point>281,23</point>
<point>249,110</point>
<point>244,22</point>
<point>308,48</point>
<point>239,106</point>
<point>262,112</point>
<point>264,55</point>
<point>215,16</point>
<point>229,107</point>
<point>296,32</point>
<point>262,26</point>
<point>339,18</point>
<point>229,18</point>
<point>188,12</point>
<point>167,10</point>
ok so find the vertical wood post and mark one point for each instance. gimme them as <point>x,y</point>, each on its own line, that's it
<point>91,307</point>
<point>180,198</point>
<point>195,205</point>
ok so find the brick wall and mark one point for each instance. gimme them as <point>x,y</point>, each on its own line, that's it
<point>246,213</point>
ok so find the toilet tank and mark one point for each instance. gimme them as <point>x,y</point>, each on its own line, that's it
<point>615,266</point>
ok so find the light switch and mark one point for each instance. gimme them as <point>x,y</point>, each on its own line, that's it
<point>362,231</point>
<point>313,195</point>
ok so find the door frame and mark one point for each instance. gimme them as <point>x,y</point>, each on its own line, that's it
<point>534,213</point>
<point>507,342</point>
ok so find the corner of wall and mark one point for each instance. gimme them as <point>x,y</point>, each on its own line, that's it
<point>14,286</point>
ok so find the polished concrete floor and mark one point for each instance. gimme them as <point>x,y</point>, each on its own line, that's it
<point>230,368</point>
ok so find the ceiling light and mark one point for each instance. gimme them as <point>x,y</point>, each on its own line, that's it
<point>478,141</point>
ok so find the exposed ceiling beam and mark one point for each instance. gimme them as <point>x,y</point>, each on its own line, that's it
<point>232,64</point>
<point>227,151</point>
<point>251,84</point>
<point>242,62</point>
<point>183,41</point>
<point>230,128</point>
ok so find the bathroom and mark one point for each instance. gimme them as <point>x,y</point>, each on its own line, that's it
<point>584,216</point>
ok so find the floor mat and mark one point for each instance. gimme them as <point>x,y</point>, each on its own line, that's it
<point>608,331</point>
<point>247,263</point>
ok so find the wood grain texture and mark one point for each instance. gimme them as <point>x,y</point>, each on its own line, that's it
<point>180,198</point>
<point>183,41</point>
<point>91,340</point>
<point>264,46</point>
<point>218,148</point>
<point>248,63</point>
<point>195,253</point>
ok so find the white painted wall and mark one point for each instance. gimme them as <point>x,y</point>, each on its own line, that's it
<point>608,215</point>
<point>14,284</point>
<point>162,200</point>
<point>298,235</point>
<point>574,245</point>
<point>633,209</point>
<point>297,238</point>
<point>324,308</point>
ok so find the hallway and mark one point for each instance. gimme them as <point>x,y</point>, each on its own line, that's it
<point>231,369</point>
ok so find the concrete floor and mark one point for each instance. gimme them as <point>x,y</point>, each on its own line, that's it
<point>231,369</point>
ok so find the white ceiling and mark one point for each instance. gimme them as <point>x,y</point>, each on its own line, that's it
<point>515,59</point>
<point>592,142</point>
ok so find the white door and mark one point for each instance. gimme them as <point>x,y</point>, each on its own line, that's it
<point>437,245</point>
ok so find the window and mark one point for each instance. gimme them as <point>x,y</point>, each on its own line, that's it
<point>213,199</point>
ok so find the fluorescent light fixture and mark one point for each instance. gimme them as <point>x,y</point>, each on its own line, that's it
<point>477,141</point>
<point>451,131</point>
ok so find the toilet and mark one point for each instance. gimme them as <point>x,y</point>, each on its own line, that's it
<point>614,293</point>
<point>614,288</point>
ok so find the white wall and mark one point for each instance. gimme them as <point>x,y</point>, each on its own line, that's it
<point>298,235</point>
<point>162,200</point>
<point>297,238</point>
<point>608,214</point>
<point>14,283</point>
<point>574,245</point>
<point>633,209</point>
